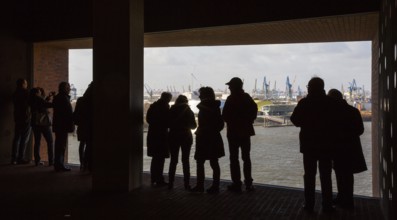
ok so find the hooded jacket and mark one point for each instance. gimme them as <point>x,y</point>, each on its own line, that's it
<point>181,122</point>
<point>209,143</point>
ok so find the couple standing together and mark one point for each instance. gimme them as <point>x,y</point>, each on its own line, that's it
<point>170,130</point>
<point>329,137</point>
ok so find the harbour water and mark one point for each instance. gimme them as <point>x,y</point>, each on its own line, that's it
<point>275,156</point>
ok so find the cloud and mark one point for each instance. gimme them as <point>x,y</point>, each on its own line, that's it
<point>337,63</point>
<point>80,69</point>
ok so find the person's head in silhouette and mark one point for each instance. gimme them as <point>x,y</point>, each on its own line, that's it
<point>166,96</point>
<point>315,86</point>
<point>42,92</point>
<point>235,84</point>
<point>334,93</point>
<point>181,100</point>
<point>64,88</point>
<point>34,92</point>
<point>22,84</point>
<point>206,93</point>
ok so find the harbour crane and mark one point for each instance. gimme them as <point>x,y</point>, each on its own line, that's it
<point>299,91</point>
<point>194,77</point>
<point>352,86</point>
<point>265,88</point>
<point>149,90</point>
<point>288,89</point>
<point>275,93</point>
<point>354,90</point>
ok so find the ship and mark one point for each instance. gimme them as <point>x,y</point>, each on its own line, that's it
<point>277,113</point>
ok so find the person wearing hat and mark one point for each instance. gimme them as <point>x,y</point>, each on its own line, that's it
<point>239,113</point>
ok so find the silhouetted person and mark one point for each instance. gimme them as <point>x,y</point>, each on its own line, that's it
<point>80,118</point>
<point>314,114</point>
<point>349,156</point>
<point>182,121</point>
<point>41,123</point>
<point>157,138</point>
<point>22,117</point>
<point>88,121</point>
<point>209,143</point>
<point>239,113</point>
<point>62,124</point>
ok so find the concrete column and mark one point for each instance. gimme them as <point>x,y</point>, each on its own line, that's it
<point>118,95</point>
<point>15,62</point>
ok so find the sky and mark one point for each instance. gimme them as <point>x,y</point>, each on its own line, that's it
<point>180,67</point>
<point>80,69</point>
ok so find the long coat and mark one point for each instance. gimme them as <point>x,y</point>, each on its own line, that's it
<point>239,114</point>
<point>63,114</point>
<point>157,117</point>
<point>349,150</point>
<point>209,143</point>
<point>182,121</point>
<point>81,119</point>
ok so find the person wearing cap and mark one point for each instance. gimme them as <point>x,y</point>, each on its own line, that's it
<point>316,115</point>
<point>239,113</point>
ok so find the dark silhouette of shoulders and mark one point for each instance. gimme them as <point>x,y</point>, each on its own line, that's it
<point>21,106</point>
<point>239,113</point>
<point>158,113</point>
<point>319,117</point>
<point>210,115</point>
<point>63,114</point>
<point>181,117</point>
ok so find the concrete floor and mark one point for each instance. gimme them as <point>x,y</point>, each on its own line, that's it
<point>29,192</point>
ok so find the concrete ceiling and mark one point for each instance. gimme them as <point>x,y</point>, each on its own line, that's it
<point>355,27</point>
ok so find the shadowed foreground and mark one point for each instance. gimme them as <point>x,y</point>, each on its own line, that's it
<point>28,192</point>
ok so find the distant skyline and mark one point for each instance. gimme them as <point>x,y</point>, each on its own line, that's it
<point>181,67</point>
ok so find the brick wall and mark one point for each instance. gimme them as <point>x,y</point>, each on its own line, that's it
<point>50,67</point>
